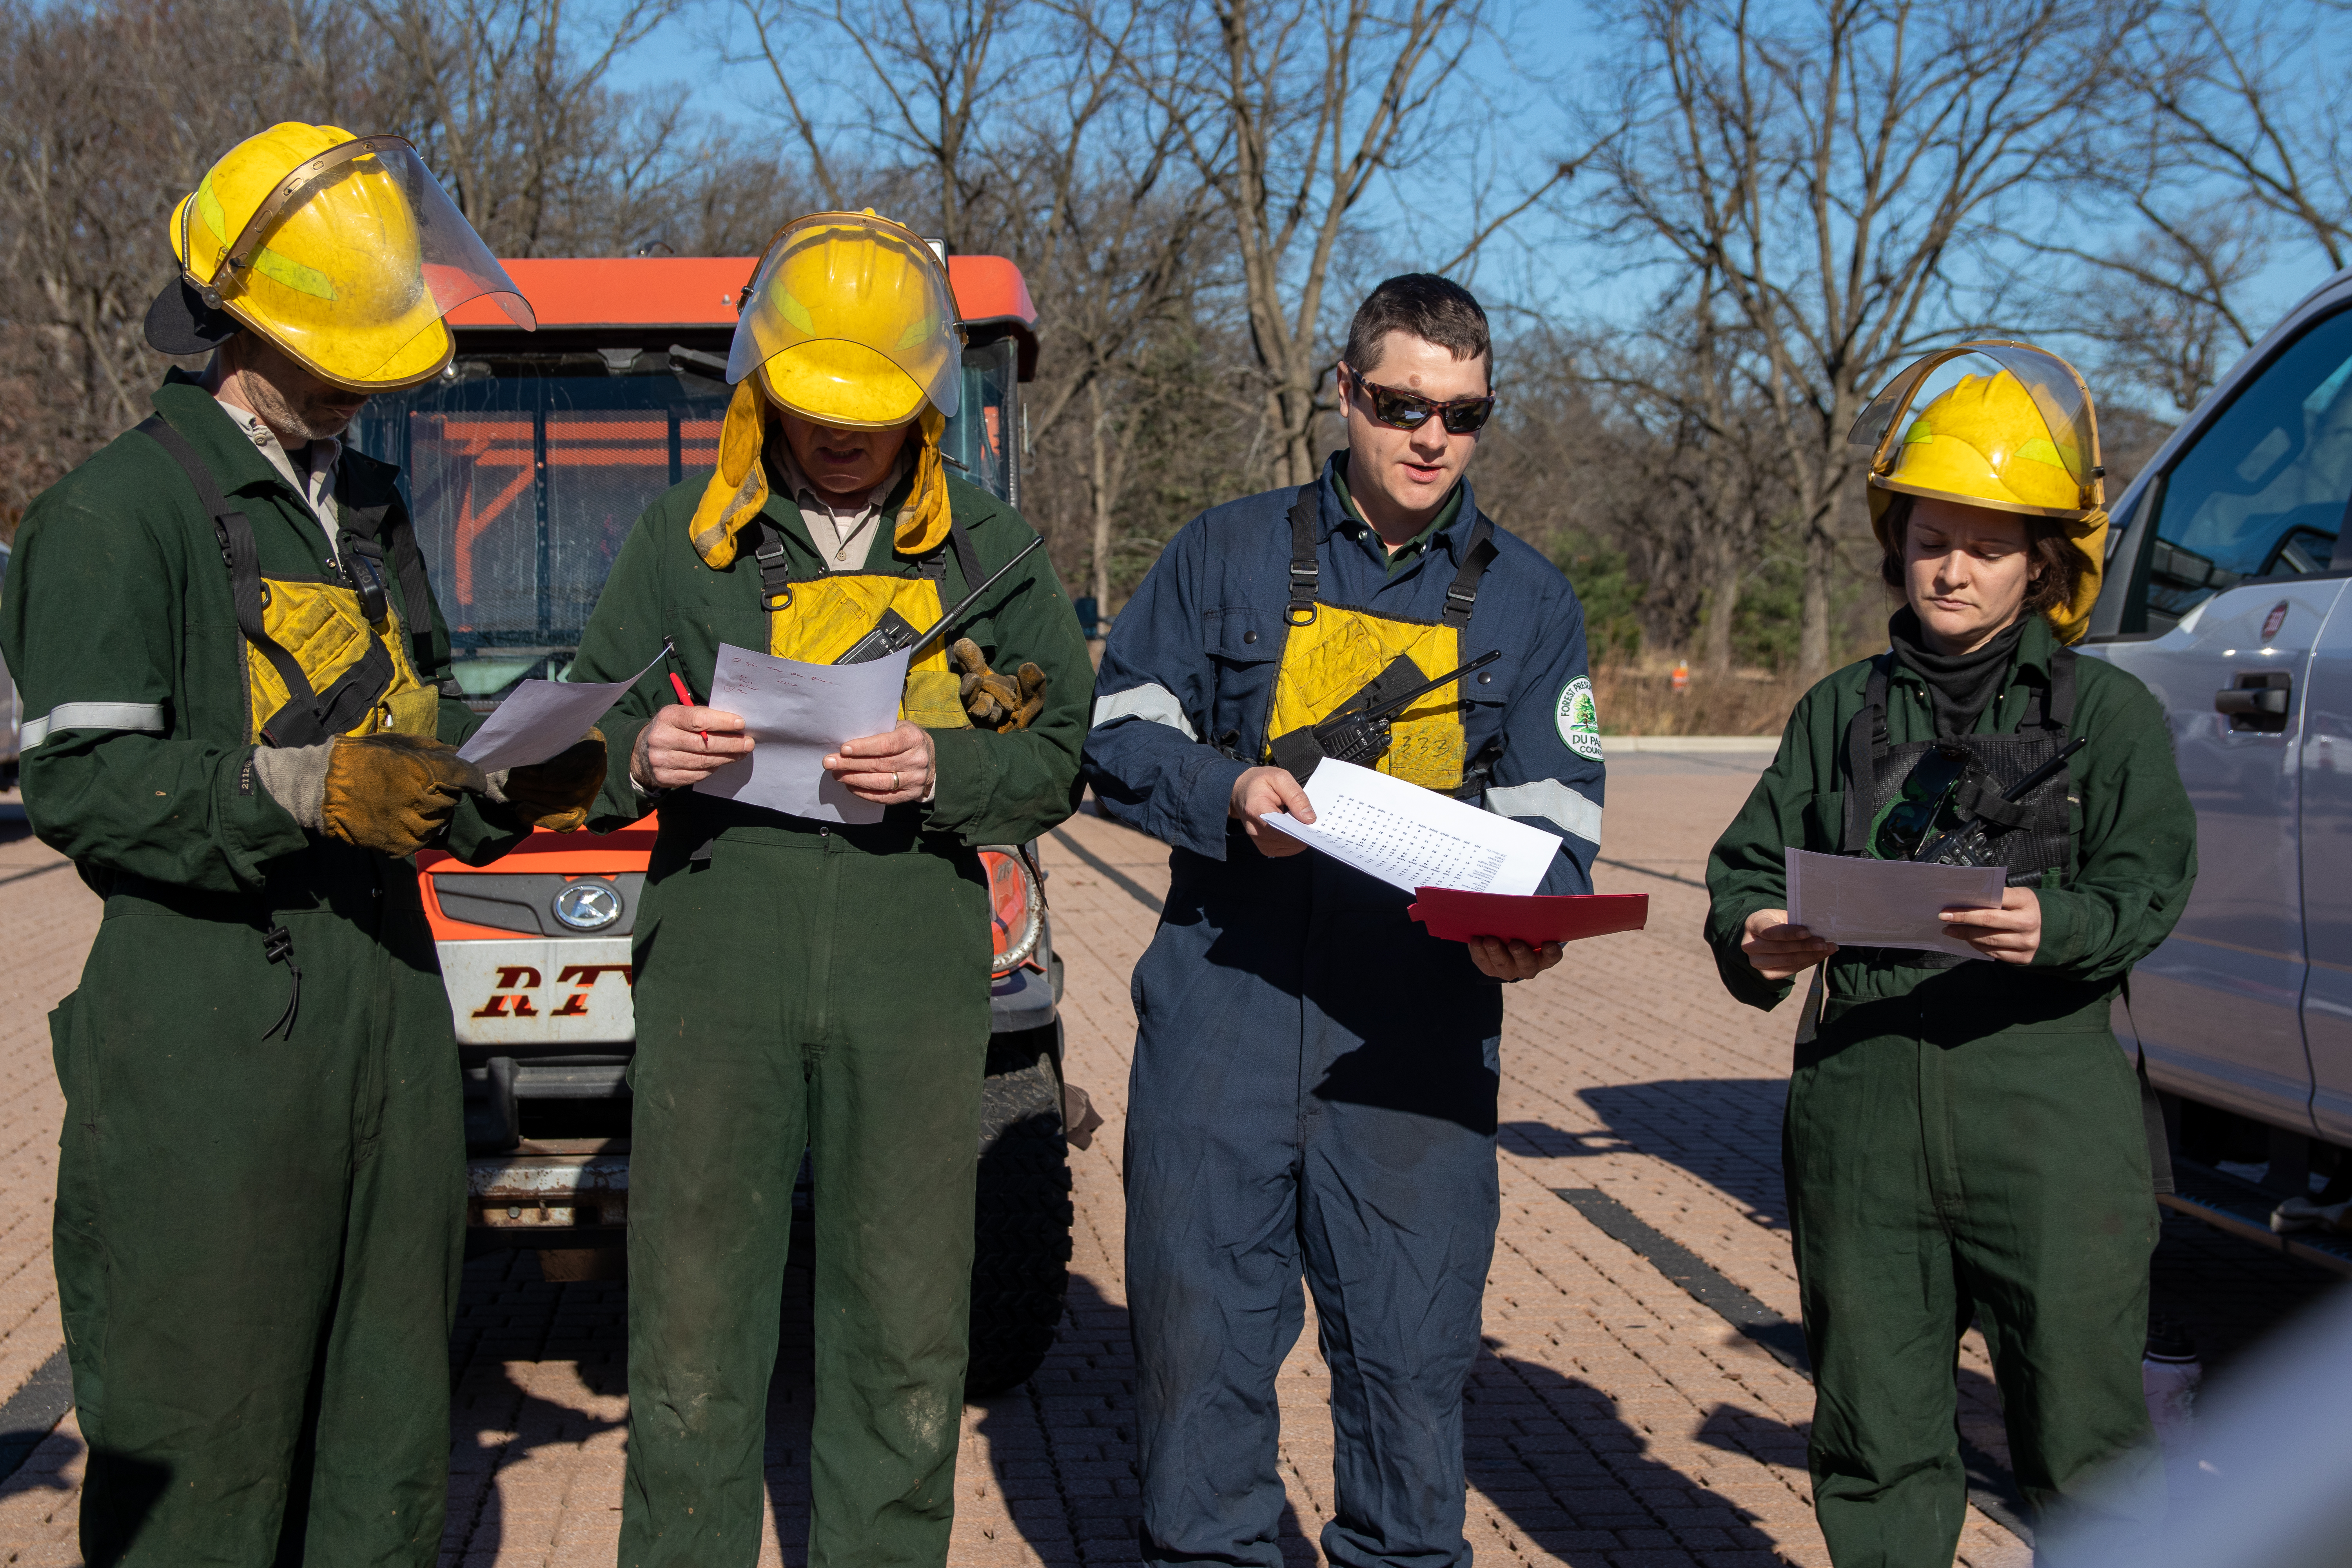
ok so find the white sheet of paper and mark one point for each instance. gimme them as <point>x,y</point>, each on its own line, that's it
<point>541,718</point>
<point>1413,837</point>
<point>1856,901</point>
<point>797,713</point>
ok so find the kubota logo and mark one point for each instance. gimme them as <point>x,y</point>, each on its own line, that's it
<point>510,997</point>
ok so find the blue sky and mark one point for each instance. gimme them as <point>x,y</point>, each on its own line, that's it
<point>1419,218</point>
<point>1512,101</point>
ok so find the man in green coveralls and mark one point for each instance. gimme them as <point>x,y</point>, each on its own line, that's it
<point>821,985</point>
<point>233,662</point>
<point>1964,1140</point>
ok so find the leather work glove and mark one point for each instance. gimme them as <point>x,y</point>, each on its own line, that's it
<point>989,699</point>
<point>555,794</point>
<point>1033,700</point>
<point>390,793</point>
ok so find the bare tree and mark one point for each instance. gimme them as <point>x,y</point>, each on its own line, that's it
<point>1824,164</point>
<point>2228,141</point>
<point>1292,108</point>
<point>112,109</point>
<point>927,75</point>
<point>108,113</point>
<point>2168,308</point>
<point>515,118</point>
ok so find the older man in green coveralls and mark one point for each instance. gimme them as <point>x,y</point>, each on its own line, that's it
<point>821,985</point>
<point>224,634</point>
<point>1965,1141</point>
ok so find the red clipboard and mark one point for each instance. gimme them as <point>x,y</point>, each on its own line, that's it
<point>1453,914</point>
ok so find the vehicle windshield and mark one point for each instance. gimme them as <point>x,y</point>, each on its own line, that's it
<point>525,472</point>
<point>980,437</point>
<point>2262,492</point>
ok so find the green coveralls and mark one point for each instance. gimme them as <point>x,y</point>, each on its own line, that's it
<point>806,985</point>
<point>257,1240</point>
<point>1970,1142</point>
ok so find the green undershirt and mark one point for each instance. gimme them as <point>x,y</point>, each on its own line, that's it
<point>1411,549</point>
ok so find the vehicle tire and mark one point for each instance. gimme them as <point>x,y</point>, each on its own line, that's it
<point>1021,1242</point>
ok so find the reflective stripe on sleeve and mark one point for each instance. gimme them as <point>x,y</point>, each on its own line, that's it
<point>93,716</point>
<point>1552,800</point>
<point>1156,703</point>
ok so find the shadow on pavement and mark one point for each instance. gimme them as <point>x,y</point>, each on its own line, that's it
<point>1062,1446</point>
<point>1562,1467</point>
<point>510,1315</point>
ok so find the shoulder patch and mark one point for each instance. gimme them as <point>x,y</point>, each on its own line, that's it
<point>1579,719</point>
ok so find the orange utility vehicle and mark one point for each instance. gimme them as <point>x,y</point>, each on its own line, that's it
<point>527,463</point>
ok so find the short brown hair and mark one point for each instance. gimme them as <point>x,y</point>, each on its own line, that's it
<point>1436,310</point>
<point>2045,537</point>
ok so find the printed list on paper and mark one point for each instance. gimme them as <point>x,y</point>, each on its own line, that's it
<point>1413,837</point>
<point>796,714</point>
<point>1859,903</point>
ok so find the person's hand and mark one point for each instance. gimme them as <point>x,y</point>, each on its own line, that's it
<point>1511,959</point>
<point>2011,933</point>
<point>1779,950</point>
<point>1259,790</point>
<point>894,768</point>
<point>681,745</point>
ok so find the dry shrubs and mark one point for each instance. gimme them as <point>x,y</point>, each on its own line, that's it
<point>1641,700</point>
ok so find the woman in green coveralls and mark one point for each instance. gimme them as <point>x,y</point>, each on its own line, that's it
<point>1965,1141</point>
<point>821,985</point>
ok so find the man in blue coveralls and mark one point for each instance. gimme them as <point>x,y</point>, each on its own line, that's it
<point>1314,1076</point>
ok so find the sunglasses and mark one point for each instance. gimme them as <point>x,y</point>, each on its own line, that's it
<point>1409,411</point>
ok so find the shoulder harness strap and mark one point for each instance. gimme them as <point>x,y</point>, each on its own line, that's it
<point>1865,742</point>
<point>362,554</point>
<point>967,558</point>
<point>934,566</point>
<point>1305,573</point>
<point>308,717</point>
<point>776,577</point>
<point>1462,592</point>
<point>2058,696</point>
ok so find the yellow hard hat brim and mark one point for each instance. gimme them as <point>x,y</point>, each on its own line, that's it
<point>835,382</point>
<point>386,359</point>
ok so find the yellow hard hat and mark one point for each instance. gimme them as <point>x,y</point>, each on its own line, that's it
<point>341,250</point>
<point>2015,432</point>
<point>850,321</point>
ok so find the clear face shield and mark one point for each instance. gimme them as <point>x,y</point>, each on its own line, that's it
<point>852,321</point>
<point>349,264</point>
<point>2004,424</point>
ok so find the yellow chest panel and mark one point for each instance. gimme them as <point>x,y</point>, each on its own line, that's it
<point>829,613</point>
<point>323,626</point>
<point>1340,652</point>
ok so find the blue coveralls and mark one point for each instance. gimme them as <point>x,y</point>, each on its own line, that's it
<point>1314,1076</point>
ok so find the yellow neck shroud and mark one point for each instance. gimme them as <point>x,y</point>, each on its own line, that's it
<point>739,485</point>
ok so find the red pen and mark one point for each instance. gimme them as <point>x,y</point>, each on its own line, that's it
<point>677,684</point>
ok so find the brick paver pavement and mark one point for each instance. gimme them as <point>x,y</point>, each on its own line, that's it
<point>1613,1420</point>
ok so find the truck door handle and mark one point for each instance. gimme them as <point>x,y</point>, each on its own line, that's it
<point>2258,702</point>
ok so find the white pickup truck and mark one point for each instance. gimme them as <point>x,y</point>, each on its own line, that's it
<point>2227,566</point>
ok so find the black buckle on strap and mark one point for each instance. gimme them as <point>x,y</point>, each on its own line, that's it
<point>775,574</point>
<point>1304,580</point>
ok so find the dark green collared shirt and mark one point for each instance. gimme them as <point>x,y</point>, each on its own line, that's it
<point>1411,549</point>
